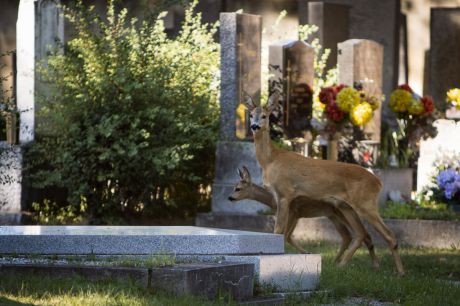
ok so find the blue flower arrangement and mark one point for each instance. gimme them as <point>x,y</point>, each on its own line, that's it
<point>449,181</point>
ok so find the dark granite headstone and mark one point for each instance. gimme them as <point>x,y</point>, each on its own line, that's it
<point>361,61</point>
<point>444,59</point>
<point>333,21</point>
<point>292,64</point>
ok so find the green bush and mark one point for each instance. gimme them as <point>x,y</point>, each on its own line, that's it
<point>130,121</point>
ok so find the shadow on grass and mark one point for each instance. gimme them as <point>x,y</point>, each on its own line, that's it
<point>8,302</point>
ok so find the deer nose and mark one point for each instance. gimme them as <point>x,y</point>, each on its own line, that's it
<point>231,198</point>
<point>255,127</point>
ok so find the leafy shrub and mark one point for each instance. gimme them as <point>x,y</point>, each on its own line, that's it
<point>130,120</point>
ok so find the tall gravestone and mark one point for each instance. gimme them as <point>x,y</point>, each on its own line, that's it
<point>39,27</point>
<point>361,61</point>
<point>444,59</point>
<point>291,63</point>
<point>333,21</point>
<point>240,39</point>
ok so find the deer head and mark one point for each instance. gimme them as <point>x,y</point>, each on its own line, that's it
<point>259,115</point>
<point>242,189</point>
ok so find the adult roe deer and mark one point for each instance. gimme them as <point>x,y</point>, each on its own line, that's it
<point>246,189</point>
<point>288,175</point>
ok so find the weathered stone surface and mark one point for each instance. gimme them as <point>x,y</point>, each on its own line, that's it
<point>208,280</point>
<point>445,144</point>
<point>291,62</point>
<point>333,20</point>
<point>423,233</point>
<point>40,26</point>
<point>229,157</point>
<point>139,275</point>
<point>240,39</point>
<point>247,222</point>
<point>136,240</point>
<point>10,179</point>
<point>288,272</point>
<point>444,66</point>
<point>361,60</point>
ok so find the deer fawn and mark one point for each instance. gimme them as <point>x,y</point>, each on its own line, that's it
<point>245,189</point>
<point>288,176</point>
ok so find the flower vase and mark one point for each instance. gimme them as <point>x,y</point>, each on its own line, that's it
<point>332,150</point>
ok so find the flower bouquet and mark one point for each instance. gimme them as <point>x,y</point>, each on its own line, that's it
<point>415,116</point>
<point>343,111</point>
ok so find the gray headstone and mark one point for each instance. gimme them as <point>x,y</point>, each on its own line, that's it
<point>292,63</point>
<point>333,21</point>
<point>361,60</point>
<point>376,20</point>
<point>444,59</point>
<point>10,179</point>
<point>240,38</point>
<point>39,26</point>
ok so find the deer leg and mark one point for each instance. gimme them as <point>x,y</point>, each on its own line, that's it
<point>282,216</point>
<point>358,229</point>
<point>376,221</point>
<point>344,233</point>
<point>288,234</point>
<point>367,237</point>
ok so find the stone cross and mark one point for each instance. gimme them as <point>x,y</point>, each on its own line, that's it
<point>361,60</point>
<point>292,63</point>
<point>444,62</point>
<point>39,26</point>
<point>240,39</point>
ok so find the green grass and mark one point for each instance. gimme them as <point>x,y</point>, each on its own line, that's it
<point>426,283</point>
<point>16,290</point>
<point>424,211</point>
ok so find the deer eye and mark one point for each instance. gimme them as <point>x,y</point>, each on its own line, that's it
<point>250,116</point>
<point>237,189</point>
<point>263,116</point>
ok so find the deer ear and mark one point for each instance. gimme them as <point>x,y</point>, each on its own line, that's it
<point>272,102</point>
<point>246,175</point>
<point>240,174</point>
<point>248,102</point>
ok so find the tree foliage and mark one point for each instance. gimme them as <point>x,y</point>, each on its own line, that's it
<point>130,120</point>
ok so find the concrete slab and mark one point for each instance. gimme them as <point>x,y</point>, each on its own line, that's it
<point>135,240</point>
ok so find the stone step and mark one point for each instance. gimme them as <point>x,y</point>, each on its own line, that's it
<point>210,280</point>
<point>135,240</point>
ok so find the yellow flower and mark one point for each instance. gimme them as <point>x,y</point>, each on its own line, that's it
<point>374,102</point>
<point>453,96</point>
<point>361,114</point>
<point>416,107</point>
<point>347,99</point>
<point>400,100</point>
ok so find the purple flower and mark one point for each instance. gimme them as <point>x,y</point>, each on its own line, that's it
<point>449,180</point>
<point>445,177</point>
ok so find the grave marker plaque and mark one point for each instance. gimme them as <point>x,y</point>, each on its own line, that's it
<point>291,64</point>
<point>361,61</point>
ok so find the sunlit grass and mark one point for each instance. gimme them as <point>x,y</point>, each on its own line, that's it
<point>428,280</point>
